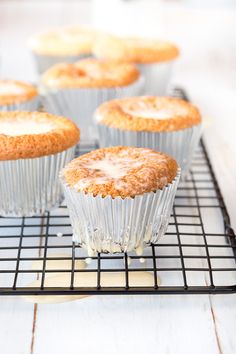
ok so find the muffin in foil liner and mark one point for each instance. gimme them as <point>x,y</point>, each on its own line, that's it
<point>157,77</point>
<point>29,105</point>
<point>179,144</point>
<point>119,225</point>
<point>31,186</point>
<point>44,62</point>
<point>79,104</point>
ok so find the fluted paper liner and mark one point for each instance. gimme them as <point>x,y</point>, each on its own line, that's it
<point>157,77</point>
<point>178,144</point>
<point>119,225</point>
<point>79,104</point>
<point>31,186</point>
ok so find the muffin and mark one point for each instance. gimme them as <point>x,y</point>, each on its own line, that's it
<point>66,44</point>
<point>165,124</point>
<point>153,57</point>
<point>120,198</point>
<point>34,146</point>
<point>76,90</point>
<point>18,95</point>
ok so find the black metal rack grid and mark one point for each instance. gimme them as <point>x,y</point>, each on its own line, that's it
<point>197,255</point>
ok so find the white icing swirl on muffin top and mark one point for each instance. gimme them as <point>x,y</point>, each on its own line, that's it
<point>144,109</point>
<point>19,127</point>
<point>114,168</point>
<point>10,88</point>
<point>120,171</point>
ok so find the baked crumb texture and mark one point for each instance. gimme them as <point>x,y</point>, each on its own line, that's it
<point>120,171</point>
<point>92,73</point>
<point>134,50</point>
<point>34,134</point>
<point>148,113</point>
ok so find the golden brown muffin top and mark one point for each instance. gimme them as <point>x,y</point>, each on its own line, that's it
<point>148,113</point>
<point>135,50</point>
<point>64,41</point>
<point>12,91</point>
<point>90,73</point>
<point>34,134</point>
<point>120,171</point>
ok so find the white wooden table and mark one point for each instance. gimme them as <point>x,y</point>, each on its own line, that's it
<point>115,324</point>
<point>143,324</point>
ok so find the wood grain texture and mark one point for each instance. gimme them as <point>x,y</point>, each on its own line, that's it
<point>16,319</point>
<point>128,324</point>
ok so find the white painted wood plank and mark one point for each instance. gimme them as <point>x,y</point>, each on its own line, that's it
<point>16,323</point>
<point>16,315</point>
<point>134,324</point>
<point>224,311</point>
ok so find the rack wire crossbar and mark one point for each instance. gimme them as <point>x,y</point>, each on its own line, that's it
<point>197,255</point>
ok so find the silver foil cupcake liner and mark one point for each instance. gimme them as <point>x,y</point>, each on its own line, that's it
<point>157,77</point>
<point>44,62</point>
<point>29,105</point>
<point>31,186</point>
<point>119,225</point>
<point>80,104</point>
<point>178,144</point>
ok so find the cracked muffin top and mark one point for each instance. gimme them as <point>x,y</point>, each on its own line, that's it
<point>35,134</point>
<point>89,73</point>
<point>148,113</point>
<point>134,50</point>
<point>120,172</point>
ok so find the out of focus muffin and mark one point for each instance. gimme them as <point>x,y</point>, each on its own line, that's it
<point>162,123</point>
<point>66,44</point>
<point>153,57</point>
<point>18,95</point>
<point>76,90</point>
<point>34,146</point>
<point>120,198</point>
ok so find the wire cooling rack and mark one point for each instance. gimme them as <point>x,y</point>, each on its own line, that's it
<point>196,255</point>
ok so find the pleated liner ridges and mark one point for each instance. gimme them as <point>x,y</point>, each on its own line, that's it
<point>31,186</point>
<point>80,104</point>
<point>178,144</point>
<point>29,105</point>
<point>157,77</point>
<point>119,225</point>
